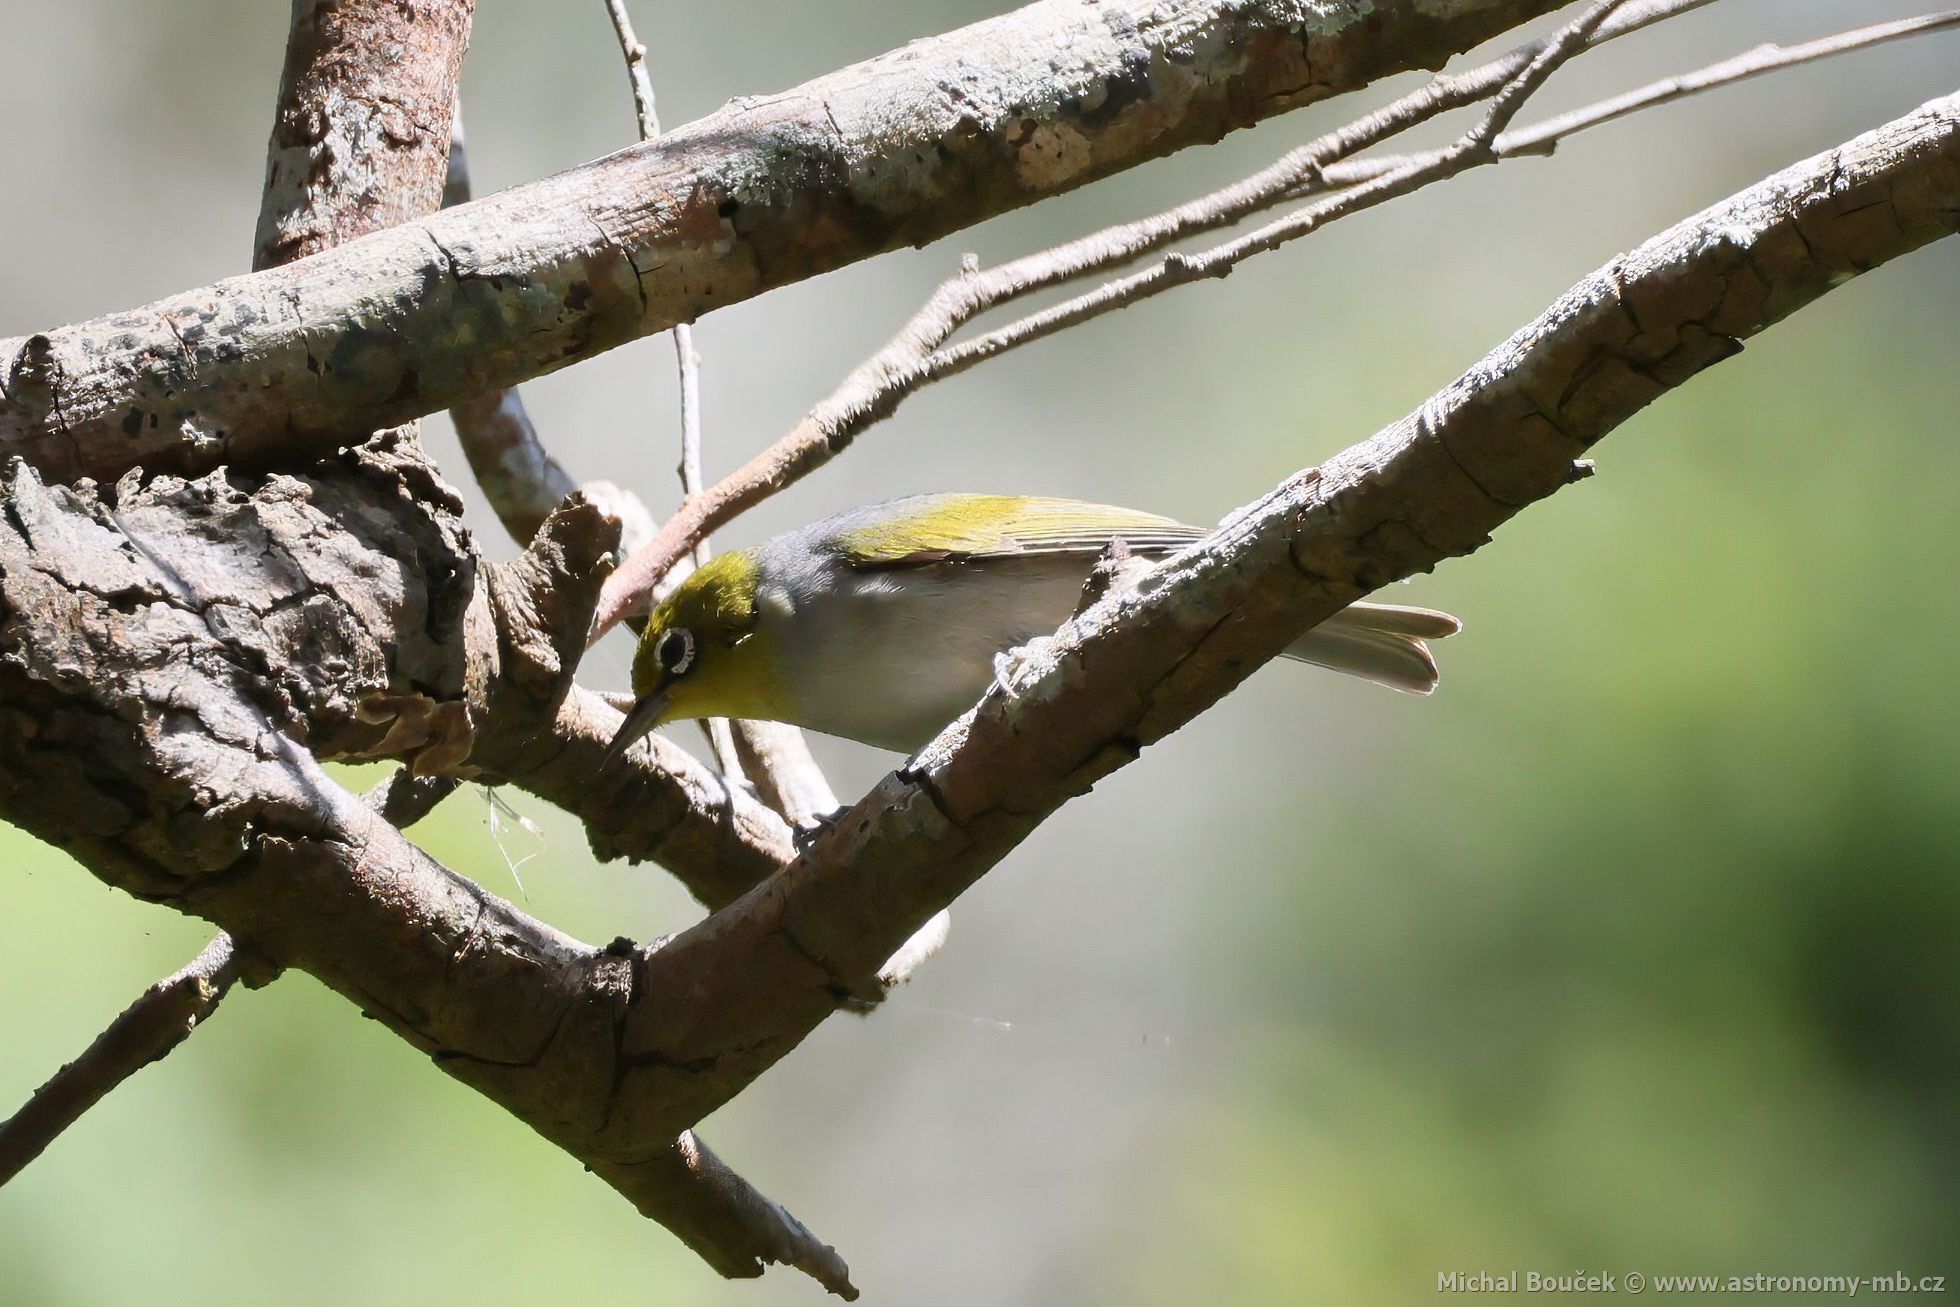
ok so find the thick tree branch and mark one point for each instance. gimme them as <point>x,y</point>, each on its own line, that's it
<point>298,360</point>
<point>1140,663</point>
<point>358,142</point>
<point>512,467</point>
<point>137,733</point>
<point>919,353</point>
<point>344,59</point>
<point>353,150</point>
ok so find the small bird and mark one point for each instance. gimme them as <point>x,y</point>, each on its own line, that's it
<point>884,623</point>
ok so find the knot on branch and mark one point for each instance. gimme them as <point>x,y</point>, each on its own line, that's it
<point>27,385</point>
<point>327,607</point>
<point>542,601</point>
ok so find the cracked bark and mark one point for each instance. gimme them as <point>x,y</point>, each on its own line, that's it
<point>769,190</point>
<point>139,731</point>
<point>1138,664</point>
<point>346,608</point>
<point>147,694</point>
<point>353,149</point>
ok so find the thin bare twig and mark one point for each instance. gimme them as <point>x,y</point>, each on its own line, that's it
<point>720,732</point>
<point>774,757</point>
<point>159,1020</point>
<point>1766,58</point>
<point>1472,150</point>
<point>918,355</point>
<point>875,388</point>
<point>721,740</point>
<point>636,69</point>
<point>516,473</point>
<point>1543,137</point>
<point>688,363</point>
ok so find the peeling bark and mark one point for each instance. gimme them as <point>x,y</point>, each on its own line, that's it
<point>165,639</point>
<point>135,732</point>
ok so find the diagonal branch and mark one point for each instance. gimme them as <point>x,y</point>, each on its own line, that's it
<point>140,740</point>
<point>736,1229</point>
<point>293,362</point>
<point>164,1015</point>
<point>161,1018</point>
<point>1140,663</point>
<point>920,354</point>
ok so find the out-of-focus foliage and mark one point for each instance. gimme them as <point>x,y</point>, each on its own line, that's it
<point>1634,948</point>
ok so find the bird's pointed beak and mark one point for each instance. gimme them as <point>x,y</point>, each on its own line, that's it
<point>643,717</point>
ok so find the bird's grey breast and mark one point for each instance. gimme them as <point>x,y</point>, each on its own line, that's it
<point>889,656</point>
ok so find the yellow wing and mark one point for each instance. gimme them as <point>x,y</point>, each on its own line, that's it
<point>942,528</point>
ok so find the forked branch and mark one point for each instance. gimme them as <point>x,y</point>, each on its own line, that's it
<point>1142,662</point>
<point>921,353</point>
<point>290,364</point>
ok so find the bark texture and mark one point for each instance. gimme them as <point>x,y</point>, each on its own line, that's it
<point>1139,664</point>
<point>135,730</point>
<point>179,646</point>
<point>361,138</point>
<point>900,150</point>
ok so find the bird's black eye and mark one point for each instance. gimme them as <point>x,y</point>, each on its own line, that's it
<point>675,650</point>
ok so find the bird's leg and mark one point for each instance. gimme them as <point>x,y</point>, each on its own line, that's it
<point>810,829</point>
<point>1117,568</point>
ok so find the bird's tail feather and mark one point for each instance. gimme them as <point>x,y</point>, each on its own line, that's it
<point>1383,643</point>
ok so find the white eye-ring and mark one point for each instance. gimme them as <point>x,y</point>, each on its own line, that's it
<point>675,651</point>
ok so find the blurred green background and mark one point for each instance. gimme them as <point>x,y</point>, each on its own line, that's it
<point>1633,949</point>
